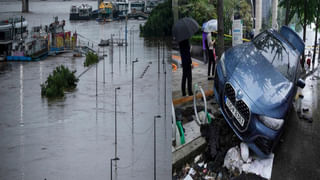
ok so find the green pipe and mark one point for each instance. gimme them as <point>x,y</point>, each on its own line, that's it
<point>180,128</point>
<point>209,118</point>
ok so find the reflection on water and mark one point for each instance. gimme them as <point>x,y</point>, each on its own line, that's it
<point>21,95</point>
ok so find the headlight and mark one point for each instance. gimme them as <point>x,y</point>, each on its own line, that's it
<point>223,67</point>
<point>272,123</point>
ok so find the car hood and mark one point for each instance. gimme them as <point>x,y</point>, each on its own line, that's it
<point>258,79</point>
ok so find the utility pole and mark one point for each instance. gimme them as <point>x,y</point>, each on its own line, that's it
<point>132,102</point>
<point>113,159</point>
<point>115,121</point>
<point>25,5</point>
<point>154,148</point>
<point>111,53</point>
<point>175,10</point>
<point>158,57</point>
<point>126,35</point>
<point>274,14</point>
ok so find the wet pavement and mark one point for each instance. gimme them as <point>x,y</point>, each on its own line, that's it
<point>73,137</point>
<point>199,76</point>
<point>297,156</point>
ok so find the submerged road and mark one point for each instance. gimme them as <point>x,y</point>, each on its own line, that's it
<point>74,137</point>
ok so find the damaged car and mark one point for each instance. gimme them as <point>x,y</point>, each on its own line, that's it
<point>255,85</point>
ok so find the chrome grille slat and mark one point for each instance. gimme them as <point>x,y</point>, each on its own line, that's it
<point>240,105</point>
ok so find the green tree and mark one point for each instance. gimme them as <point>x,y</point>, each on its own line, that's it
<point>220,47</point>
<point>159,22</point>
<point>61,79</point>
<point>305,11</point>
<point>200,10</point>
<point>243,8</point>
<point>289,13</point>
<point>91,58</point>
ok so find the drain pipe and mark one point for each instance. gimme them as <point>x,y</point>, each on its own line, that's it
<point>196,90</point>
<point>177,129</point>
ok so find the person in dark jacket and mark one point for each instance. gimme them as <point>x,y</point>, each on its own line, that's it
<point>184,47</point>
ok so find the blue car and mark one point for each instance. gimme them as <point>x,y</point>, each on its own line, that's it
<point>255,85</point>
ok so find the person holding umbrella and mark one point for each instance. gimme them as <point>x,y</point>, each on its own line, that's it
<point>209,27</point>
<point>182,30</point>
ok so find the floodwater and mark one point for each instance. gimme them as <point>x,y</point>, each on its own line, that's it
<point>74,137</point>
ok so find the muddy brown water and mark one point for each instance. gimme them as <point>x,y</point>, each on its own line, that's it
<point>73,137</point>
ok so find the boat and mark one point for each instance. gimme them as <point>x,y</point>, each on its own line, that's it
<point>105,12</point>
<point>137,7</point>
<point>74,13</point>
<point>16,44</point>
<point>82,12</point>
<point>11,30</point>
<point>34,47</point>
<point>121,10</point>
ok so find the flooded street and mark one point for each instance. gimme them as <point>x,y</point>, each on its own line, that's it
<point>74,137</point>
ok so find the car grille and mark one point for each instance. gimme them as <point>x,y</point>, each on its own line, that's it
<point>240,105</point>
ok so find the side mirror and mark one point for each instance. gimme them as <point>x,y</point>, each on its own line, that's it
<point>301,83</point>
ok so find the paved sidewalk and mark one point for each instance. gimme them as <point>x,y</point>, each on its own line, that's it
<point>199,76</point>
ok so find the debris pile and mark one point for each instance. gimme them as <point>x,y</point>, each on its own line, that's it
<point>222,158</point>
<point>209,165</point>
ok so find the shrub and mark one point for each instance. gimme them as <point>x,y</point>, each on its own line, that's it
<point>91,58</point>
<point>61,79</point>
<point>196,40</point>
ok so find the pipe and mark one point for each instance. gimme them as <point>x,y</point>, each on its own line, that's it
<point>199,88</point>
<point>180,128</point>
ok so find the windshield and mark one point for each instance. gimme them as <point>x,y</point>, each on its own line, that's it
<point>277,53</point>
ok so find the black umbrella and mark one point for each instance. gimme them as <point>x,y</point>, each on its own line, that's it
<point>184,28</point>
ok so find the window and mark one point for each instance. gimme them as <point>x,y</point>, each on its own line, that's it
<point>279,54</point>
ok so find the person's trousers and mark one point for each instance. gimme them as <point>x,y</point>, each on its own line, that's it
<point>186,76</point>
<point>211,62</point>
<point>205,56</point>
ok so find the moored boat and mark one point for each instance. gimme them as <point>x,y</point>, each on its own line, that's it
<point>82,12</point>
<point>10,30</point>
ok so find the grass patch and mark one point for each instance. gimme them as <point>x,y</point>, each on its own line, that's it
<point>91,58</point>
<point>60,80</point>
